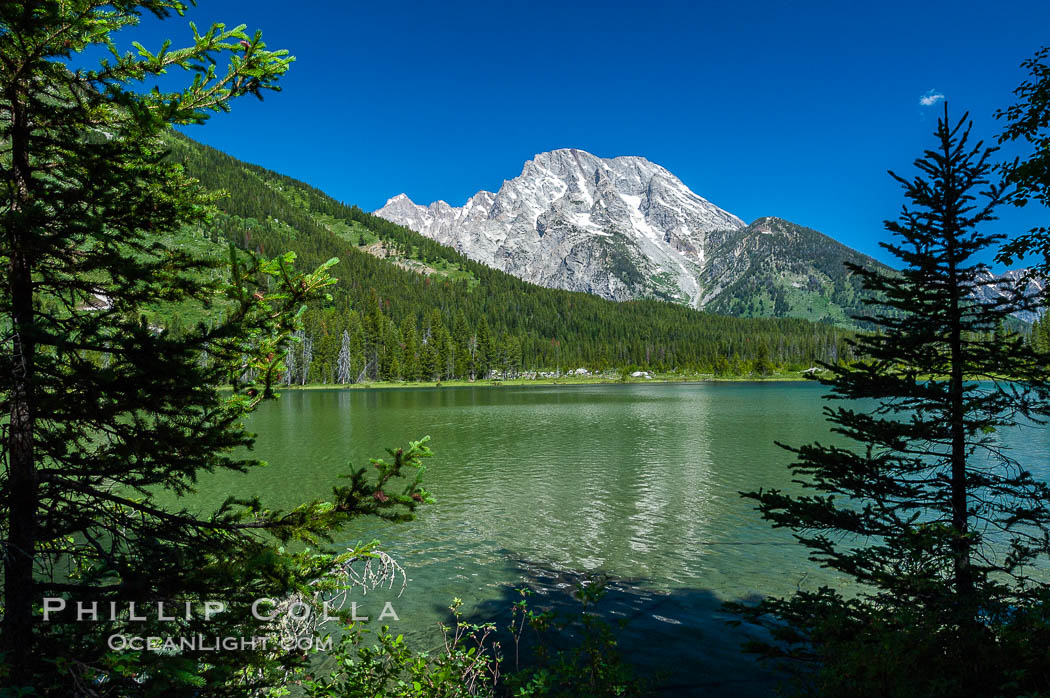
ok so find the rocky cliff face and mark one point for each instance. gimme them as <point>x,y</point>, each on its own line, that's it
<point>625,228</point>
<point>997,287</point>
<point>621,228</point>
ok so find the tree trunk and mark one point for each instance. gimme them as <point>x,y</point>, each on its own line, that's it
<point>964,584</point>
<point>22,476</point>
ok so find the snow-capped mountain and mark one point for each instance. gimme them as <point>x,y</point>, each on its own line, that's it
<point>625,228</point>
<point>997,286</point>
<point>621,227</point>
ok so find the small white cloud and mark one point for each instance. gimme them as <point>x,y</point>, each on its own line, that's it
<point>930,98</point>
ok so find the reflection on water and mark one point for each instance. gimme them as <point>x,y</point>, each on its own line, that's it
<point>640,482</point>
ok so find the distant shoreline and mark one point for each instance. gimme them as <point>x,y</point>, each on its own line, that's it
<point>793,377</point>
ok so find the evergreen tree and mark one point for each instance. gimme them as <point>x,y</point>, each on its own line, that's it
<point>345,363</point>
<point>410,355</point>
<point>291,363</point>
<point>929,514</point>
<point>91,211</point>
<point>762,365</point>
<point>511,356</point>
<point>374,328</point>
<point>430,362</point>
<point>306,354</point>
<point>483,357</point>
<point>461,341</point>
<point>358,360</point>
<point>1039,335</point>
<point>439,337</point>
<point>390,351</point>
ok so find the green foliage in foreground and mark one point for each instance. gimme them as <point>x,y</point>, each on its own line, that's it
<point>470,661</point>
<point>1028,123</point>
<point>939,528</point>
<point>106,414</point>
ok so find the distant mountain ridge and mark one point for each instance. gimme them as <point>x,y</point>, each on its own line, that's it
<point>989,291</point>
<point>400,293</point>
<point>621,228</point>
<point>626,228</point>
<point>774,267</point>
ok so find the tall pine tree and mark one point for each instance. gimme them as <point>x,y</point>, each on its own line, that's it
<point>410,354</point>
<point>927,512</point>
<point>108,413</point>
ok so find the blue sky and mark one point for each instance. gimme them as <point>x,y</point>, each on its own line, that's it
<point>766,108</point>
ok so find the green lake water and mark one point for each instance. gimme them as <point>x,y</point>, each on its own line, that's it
<point>536,485</point>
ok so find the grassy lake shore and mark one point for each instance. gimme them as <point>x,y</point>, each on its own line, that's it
<point>563,380</point>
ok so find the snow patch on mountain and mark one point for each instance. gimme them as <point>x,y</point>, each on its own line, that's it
<point>626,228</point>
<point>996,287</point>
<point>620,227</point>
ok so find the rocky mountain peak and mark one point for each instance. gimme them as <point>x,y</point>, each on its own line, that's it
<point>621,227</point>
<point>627,228</point>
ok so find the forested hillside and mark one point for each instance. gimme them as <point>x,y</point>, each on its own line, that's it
<point>626,228</point>
<point>778,268</point>
<point>409,308</point>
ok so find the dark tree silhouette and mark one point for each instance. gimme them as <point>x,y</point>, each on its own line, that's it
<point>1028,121</point>
<point>927,511</point>
<point>109,414</point>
